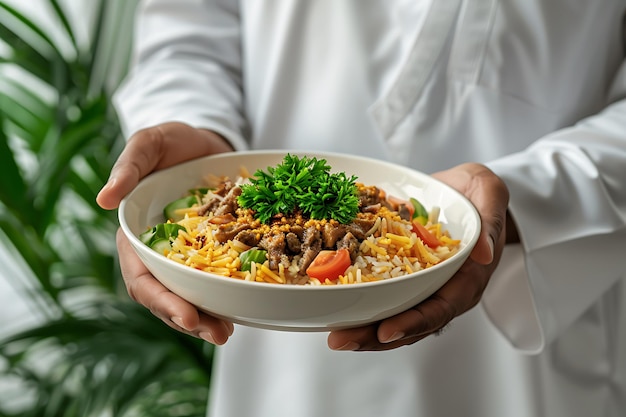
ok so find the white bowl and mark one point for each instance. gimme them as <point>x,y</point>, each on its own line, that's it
<point>294,307</point>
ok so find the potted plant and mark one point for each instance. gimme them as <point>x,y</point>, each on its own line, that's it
<point>95,352</point>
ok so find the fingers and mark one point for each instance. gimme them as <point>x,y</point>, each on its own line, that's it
<point>171,309</point>
<point>140,157</point>
<point>460,294</point>
<point>365,339</point>
<point>153,149</point>
<point>490,196</point>
<point>464,290</point>
<point>146,151</point>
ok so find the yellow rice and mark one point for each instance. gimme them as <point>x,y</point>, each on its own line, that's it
<point>390,250</point>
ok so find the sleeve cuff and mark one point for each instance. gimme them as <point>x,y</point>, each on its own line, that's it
<point>509,304</point>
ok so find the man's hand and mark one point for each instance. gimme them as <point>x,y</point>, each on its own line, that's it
<point>464,290</point>
<point>147,151</point>
<point>153,149</point>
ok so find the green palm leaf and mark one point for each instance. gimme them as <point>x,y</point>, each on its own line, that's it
<point>33,50</point>
<point>25,111</point>
<point>12,185</point>
<point>60,14</point>
<point>101,353</point>
<point>120,355</point>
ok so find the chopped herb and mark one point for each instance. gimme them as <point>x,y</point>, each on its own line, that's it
<point>304,184</point>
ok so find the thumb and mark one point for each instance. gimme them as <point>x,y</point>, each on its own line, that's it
<point>492,209</point>
<point>139,157</point>
<point>490,196</point>
<point>113,192</point>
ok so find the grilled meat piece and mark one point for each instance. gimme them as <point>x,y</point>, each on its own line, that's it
<point>371,208</point>
<point>208,207</point>
<point>229,204</point>
<point>311,246</point>
<point>248,237</point>
<point>274,244</point>
<point>293,243</point>
<point>364,224</point>
<point>332,233</point>
<point>211,205</point>
<point>351,243</point>
<point>357,229</point>
<point>229,231</point>
<point>403,212</point>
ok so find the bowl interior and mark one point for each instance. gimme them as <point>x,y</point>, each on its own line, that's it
<point>143,208</point>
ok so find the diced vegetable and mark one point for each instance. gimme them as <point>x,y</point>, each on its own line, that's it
<point>161,245</point>
<point>420,214</point>
<point>329,264</point>
<point>172,210</point>
<point>146,237</point>
<point>423,233</point>
<point>257,256</point>
<point>171,230</point>
<point>159,235</point>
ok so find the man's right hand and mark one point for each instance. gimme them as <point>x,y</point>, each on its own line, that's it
<point>147,151</point>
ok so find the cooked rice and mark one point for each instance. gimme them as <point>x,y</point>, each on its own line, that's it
<point>390,250</point>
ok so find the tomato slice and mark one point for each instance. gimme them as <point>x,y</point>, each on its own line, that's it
<point>423,233</point>
<point>329,264</point>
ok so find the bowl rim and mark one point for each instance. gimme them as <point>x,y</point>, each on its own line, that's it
<point>204,275</point>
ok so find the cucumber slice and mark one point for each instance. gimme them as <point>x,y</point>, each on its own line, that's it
<point>161,245</point>
<point>171,209</point>
<point>146,237</point>
<point>161,232</point>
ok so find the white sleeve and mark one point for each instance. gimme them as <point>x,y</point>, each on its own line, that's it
<point>568,199</point>
<point>186,68</point>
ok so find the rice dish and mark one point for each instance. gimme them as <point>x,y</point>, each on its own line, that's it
<point>383,239</point>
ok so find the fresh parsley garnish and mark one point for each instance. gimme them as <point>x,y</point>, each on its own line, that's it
<point>304,184</point>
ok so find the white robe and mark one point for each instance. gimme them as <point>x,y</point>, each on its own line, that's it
<point>531,88</point>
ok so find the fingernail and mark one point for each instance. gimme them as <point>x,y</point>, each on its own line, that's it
<point>393,337</point>
<point>207,336</point>
<point>349,346</point>
<point>179,322</point>
<point>229,328</point>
